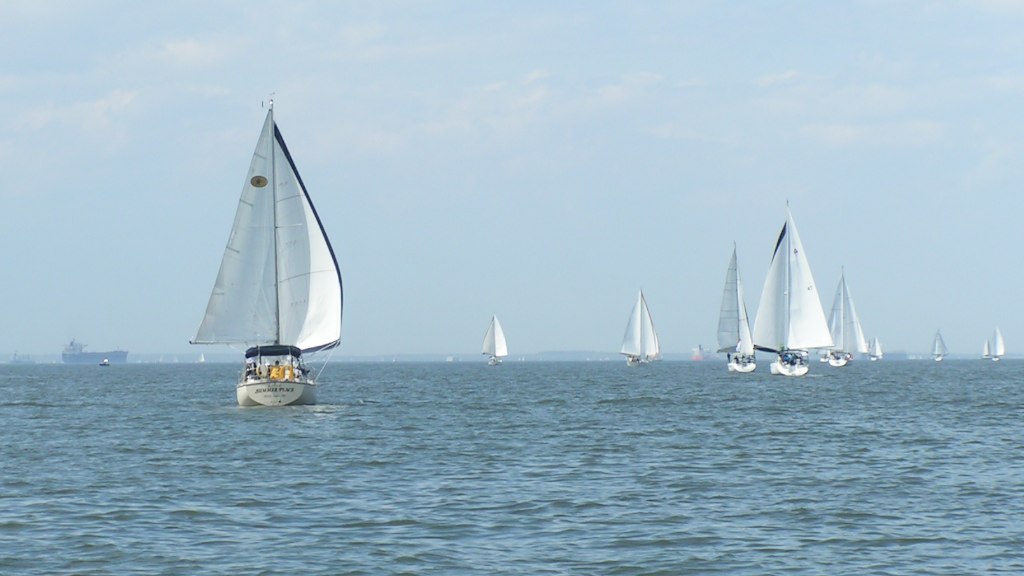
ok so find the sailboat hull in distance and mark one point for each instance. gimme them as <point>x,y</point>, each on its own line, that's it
<point>838,360</point>
<point>780,368</point>
<point>741,366</point>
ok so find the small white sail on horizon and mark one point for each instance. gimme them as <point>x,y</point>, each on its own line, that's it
<point>844,326</point>
<point>997,348</point>
<point>733,323</point>
<point>640,342</point>
<point>939,349</point>
<point>494,342</point>
<point>876,349</point>
<point>790,319</point>
<point>278,291</point>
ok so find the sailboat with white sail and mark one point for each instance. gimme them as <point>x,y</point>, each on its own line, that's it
<point>494,342</point>
<point>876,350</point>
<point>278,292</point>
<point>995,348</point>
<point>844,325</point>
<point>640,342</point>
<point>733,324</point>
<point>790,320</point>
<point>939,349</point>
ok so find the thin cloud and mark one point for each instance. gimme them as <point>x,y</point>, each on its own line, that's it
<point>628,87</point>
<point>886,135</point>
<point>537,76</point>
<point>191,52</point>
<point>90,116</point>
<point>776,79</point>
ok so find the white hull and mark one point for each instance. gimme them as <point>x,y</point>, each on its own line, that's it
<point>267,392</point>
<point>938,358</point>
<point>874,358</point>
<point>780,368</point>
<point>493,361</point>
<point>742,368</point>
<point>838,361</point>
<point>635,361</point>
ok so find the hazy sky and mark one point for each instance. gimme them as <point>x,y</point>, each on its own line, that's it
<point>541,161</point>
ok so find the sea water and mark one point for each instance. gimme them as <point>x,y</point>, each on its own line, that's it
<point>891,467</point>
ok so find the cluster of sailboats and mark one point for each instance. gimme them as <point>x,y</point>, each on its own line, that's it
<point>790,321</point>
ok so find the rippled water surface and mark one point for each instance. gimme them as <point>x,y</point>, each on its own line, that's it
<point>895,467</point>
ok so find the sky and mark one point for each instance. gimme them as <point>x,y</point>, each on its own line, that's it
<point>542,161</point>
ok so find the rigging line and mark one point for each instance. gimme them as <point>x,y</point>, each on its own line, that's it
<point>329,354</point>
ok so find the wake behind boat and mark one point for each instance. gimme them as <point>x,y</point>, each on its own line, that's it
<point>789,318</point>
<point>278,291</point>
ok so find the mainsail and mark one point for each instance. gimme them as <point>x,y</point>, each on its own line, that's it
<point>279,281</point>
<point>789,316</point>
<point>938,346</point>
<point>494,340</point>
<point>640,339</point>
<point>844,324</point>
<point>733,323</point>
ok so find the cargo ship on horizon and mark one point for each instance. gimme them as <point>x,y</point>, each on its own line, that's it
<point>74,353</point>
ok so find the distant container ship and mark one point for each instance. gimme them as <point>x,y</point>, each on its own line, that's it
<point>74,353</point>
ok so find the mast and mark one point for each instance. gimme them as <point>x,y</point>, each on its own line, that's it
<point>842,311</point>
<point>277,255</point>
<point>788,306</point>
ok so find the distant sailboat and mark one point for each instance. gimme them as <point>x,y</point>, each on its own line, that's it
<point>278,291</point>
<point>733,324</point>
<point>640,343</point>
<point>994,348</point>
<point>494,342</point>
<point>844,325</point>
<point>876,350</point>
<point>789,318</point>
<point>939,350</point>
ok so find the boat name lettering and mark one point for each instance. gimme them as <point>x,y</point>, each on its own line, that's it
<point>274,389</point>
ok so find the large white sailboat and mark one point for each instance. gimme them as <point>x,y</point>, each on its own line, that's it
<point>494,342</point>
<point>844,325</point>
<point>994,348</point>
<point>790,320</point>
<point>640,342</point>
<point>733,324</point>
<point>278,292</point>
<point>939,350</point>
